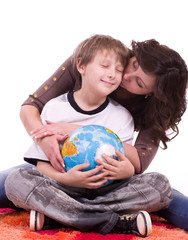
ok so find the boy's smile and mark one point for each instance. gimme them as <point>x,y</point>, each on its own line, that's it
<point>107,82</point>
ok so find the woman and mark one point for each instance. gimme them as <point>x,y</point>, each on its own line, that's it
<point>155,108</point>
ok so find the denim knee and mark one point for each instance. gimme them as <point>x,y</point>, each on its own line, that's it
<point>161,184</point>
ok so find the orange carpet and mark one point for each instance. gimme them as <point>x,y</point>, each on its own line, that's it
<point>15,225</point>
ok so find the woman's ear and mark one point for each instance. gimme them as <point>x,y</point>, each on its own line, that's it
<point>80,68</point>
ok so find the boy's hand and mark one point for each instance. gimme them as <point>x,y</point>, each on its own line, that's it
<point>90,179</point>
<point>117,169</point>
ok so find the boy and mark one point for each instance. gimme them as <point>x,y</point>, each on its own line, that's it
<point>100,62</point>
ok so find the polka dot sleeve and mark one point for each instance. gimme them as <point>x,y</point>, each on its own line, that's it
<point>62,81</point>
<point>146,148</point>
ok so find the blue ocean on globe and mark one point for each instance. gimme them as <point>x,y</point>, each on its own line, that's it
<point>88,143</point>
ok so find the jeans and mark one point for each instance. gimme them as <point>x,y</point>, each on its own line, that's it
<point>176,213</point>
<point>4,202</point>
<point>95,210</point>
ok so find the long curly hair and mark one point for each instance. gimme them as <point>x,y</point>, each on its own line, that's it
<point>164,108</point>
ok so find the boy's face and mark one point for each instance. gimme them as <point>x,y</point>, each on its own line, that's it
<point>103,74</point>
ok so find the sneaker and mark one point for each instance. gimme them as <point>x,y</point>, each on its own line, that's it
<point>39,221</point>
<point>137,223</point>
<point>36,221</point>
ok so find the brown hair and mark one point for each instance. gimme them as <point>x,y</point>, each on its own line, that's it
<point>87,49</point>
<point>164,109</point>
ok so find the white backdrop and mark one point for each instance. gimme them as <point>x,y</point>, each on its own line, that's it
<point>38,35</point>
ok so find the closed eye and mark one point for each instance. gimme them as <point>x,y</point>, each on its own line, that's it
<point>119,70</point>
<point>139,82</point>
<point>104,65</point>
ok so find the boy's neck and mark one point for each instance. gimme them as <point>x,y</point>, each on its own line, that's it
<point>88,101</point>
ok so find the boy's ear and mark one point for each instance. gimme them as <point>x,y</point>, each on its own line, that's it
<point>80,68</point>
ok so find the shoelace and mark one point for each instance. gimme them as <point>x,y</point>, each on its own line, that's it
<point>128,222</point>
<point>125,224</point>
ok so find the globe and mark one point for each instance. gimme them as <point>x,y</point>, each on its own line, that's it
<point>88,143</point>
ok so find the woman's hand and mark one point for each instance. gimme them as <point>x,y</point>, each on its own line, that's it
<point>91,179</point>
<point>52,128</point>
<point>50,146</point>
<point>48,137</point>
<point>117,169</point>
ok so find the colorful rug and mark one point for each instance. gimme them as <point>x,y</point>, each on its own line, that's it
<point>15,225</point>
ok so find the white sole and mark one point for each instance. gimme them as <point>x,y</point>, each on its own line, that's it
<point>36,221</point>
<point>144,224</point>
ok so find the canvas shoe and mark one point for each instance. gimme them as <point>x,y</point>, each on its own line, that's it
<point>137,223</point>
<point>36,221</point>
<point>39,221</point>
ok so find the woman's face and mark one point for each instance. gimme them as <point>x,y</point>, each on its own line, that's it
<point>136,81</point>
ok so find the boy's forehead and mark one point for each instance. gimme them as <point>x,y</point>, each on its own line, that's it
<point>108,54</point>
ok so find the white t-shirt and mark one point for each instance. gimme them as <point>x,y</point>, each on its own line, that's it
<point>63,108</point>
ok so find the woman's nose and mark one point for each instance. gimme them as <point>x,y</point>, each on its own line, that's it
<point>127,77</point>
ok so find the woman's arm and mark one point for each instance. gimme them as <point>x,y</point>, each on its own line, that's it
<point>146,148</point>
<point>60,82</point>
<point>30,118</point>
<point>143,152</point>
<point>49,144</point>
